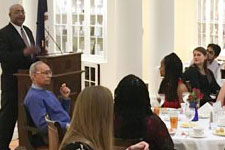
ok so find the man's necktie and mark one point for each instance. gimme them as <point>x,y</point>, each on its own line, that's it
<point>24,37</point>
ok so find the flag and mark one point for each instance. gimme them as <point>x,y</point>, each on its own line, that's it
<point>40,32</point>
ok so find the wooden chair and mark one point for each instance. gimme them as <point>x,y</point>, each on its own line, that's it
<point>55,134</point>
<point>28,130</point>
<point>122,144</point>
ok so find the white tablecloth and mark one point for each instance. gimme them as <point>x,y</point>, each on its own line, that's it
<point>185,142</point>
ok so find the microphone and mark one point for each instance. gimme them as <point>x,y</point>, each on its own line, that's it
<point>54,41</point>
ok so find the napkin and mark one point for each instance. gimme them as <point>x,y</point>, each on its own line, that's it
<point>217,107</point>
<point>205,110</point>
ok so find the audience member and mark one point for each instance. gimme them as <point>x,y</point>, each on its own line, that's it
<point>40,101</point>
<point>213,51</point>
<point>92,122</point>
<point>201,77</point>
<point>172,85</point>
<point>134,118</point>
<point>16,52</point>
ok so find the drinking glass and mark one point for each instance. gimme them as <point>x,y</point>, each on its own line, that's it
<point>156,110</point>
<point>161,99</point>
<point>185,96</point>
<point>189,114</point>
<point>173,119</point>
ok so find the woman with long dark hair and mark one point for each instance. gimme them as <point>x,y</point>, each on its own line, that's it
<point>172,85</point>
<point>201,77</point>
<point>134,118</point>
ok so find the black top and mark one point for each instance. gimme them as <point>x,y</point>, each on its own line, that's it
<point>11,50</point>
<point>77,146</point>
<point>206,83</point>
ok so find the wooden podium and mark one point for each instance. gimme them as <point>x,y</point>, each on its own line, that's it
<point>65,68</point>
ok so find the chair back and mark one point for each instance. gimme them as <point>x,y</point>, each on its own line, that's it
<point>28,129</point>
<point>55,134</point>
<point>122,144</point>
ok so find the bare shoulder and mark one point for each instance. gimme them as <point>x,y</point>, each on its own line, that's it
<point>182,88</point>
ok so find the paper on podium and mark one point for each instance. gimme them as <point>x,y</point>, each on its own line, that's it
<point>205,110</point>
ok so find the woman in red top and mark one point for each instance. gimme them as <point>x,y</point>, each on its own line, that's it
<point>172,85</point>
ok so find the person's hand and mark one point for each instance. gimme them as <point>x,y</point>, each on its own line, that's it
<point>32,50</point>
<point>64,90</point>
<point>139,146</point>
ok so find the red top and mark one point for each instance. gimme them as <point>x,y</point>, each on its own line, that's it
<point>175,103</point>
<point>156,133</point>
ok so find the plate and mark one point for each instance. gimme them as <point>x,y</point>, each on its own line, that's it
<point>187,125</point>
<point>203,116</point>
<point>193,135</point>
<point>217,132</point>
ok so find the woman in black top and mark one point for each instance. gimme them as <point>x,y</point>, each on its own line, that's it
<point>201,77</point>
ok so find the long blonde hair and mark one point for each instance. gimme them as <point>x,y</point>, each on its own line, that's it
<point>92,120</point>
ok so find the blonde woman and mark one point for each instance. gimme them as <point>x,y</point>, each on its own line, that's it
<point>92,122</point>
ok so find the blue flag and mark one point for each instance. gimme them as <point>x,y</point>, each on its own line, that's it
<point>40,33</point>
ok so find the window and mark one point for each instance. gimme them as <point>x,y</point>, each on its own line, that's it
<point>79,26</point>
<point>92,74</point>
<point>211,23</point>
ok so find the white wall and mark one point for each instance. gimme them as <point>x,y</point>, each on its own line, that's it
<point>160,38</point>
<point>30,7</point>
<point>124,36</point>
<point>4,7</point>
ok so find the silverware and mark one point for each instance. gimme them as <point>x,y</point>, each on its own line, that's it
<point>210,120</point>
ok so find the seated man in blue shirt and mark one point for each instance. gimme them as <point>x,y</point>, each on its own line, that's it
<point>40,101</point>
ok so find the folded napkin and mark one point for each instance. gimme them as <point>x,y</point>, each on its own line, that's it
<point>217,107</point>
<point>205,110</point>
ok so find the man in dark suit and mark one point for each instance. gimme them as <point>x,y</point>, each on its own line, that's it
<point>16,52</point>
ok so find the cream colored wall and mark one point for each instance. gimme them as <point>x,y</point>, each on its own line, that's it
<point>185,28</point>
<point>158,39</point>
<point>145,42</point>
<point>4,7</point>
<point>124,41</point>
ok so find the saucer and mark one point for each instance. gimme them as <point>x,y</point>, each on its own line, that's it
<point>193,135</point>
<point>203,116</point>
<point>187,125</point>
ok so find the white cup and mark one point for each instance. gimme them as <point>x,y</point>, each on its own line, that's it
<point>198,131</point>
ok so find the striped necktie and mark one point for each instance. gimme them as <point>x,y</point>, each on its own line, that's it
<point>24,37</point>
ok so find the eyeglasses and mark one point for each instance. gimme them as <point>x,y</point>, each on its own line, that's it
<point>47,72</point>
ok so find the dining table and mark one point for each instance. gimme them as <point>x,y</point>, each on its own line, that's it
<point>185,139</point>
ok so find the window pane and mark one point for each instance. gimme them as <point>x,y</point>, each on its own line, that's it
<point>92,74</point>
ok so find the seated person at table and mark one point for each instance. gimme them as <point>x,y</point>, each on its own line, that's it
<point>201,77</point>
<point>172,85</point>
<point>92,122</point>
<point>133,117</point>
<point>213,51</point>
<point>39,101</point>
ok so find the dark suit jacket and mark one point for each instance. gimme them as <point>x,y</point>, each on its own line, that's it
<point>11,50</point>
